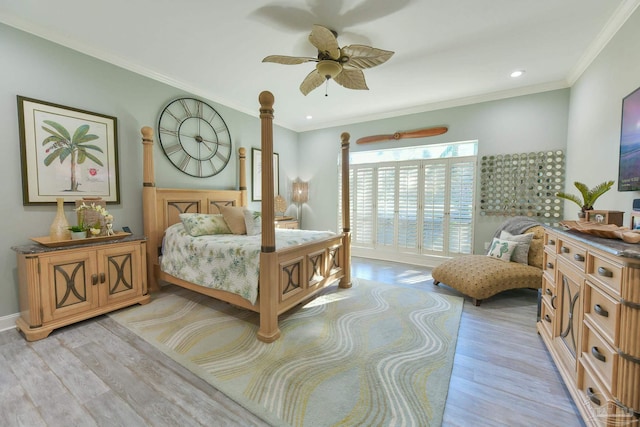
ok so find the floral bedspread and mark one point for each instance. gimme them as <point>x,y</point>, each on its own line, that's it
<point>224,261</point>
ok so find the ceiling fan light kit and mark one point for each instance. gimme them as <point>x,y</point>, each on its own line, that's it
<point>328,69</point>
<point>343,65</point>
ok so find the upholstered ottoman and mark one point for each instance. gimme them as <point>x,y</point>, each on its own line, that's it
<point>480,277</point>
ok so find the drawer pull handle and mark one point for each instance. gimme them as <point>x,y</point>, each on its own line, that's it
<point>548,291</point>
<point>605,272</point>
<point>102,278</point>
<point>547,318</point>
<point>550,265</point>
<point>578,257</point>
<point>601,311</point>
<point>565,250</point>
<point>94,279</point>
<point>596,353</point>
<point>552,242</point>
<point>592,396</point>
<point>553,301</point>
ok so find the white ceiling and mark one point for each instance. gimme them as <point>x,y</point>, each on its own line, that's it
<point>447,52</point>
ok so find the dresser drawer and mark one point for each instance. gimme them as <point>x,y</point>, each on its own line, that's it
<point>595,396</point>
<point>605,273</point>
<point>602,311</point>
<point>546,318</point>
<point>599,355</point>
<point>574,254</point>
<point>549,264</point>
<point>550,243</point>
<point>549,292</point>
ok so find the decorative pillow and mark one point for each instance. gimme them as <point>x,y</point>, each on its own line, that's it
<point>501,249</point>
<point>253,221</point>
<point>201,224</point>
<point>521,252</point>
<point>234,216</point>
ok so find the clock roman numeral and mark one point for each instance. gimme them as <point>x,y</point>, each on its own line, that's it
<point>169,131</point>
<point>171,149</point>
<point>184,163</point>
<point>184,104</point>
<point>199,112</point>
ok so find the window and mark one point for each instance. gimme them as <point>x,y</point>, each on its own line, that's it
<point>415,201</point>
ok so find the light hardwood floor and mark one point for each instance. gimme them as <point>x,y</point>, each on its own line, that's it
<point>97,373</point>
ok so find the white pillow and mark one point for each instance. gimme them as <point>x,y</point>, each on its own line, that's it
<point>253,222</point>
<point>501,249</point>
<point>521,252</point>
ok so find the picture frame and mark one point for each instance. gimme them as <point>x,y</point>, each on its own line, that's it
<point>66,153</point>
<point>628,171</point>
<point>256,174</point>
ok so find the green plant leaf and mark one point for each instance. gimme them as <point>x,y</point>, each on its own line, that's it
<point>61,129</point>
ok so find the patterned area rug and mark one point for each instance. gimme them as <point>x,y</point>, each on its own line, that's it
<point>375,354</point>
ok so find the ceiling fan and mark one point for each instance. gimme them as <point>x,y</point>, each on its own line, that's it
<point>343,65</point>
<point>420,133</point>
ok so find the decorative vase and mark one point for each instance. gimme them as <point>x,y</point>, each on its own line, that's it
<point>59,229</point>
<point>582,216</point>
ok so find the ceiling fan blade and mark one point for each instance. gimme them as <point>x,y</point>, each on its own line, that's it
<point>361,56</point>
<point>421,133</point>
<point>325,41</point>
<point>312,81</point>
<point>288,60</point>
<point>351,79</point>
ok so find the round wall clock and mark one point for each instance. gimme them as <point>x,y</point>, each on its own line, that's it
<point>194,137</point>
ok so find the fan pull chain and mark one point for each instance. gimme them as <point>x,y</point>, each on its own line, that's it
<point>326,87</point>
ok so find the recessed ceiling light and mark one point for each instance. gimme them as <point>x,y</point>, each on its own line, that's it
<point>309,117</point>
<point>517,73</point>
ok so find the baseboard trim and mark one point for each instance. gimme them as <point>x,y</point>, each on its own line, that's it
<point>8,322</point>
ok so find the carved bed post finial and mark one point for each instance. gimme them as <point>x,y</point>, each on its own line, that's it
<point>345,282</point>
<point>149,218</point>
<point>148,173</point>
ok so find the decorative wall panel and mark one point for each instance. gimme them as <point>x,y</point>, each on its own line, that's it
<point>523,184</point>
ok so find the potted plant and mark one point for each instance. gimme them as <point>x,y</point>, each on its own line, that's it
<point>589,196</point>
<point>78,232</point>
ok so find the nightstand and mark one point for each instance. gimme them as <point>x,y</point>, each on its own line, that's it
<point>59,286</point>
<point>287,223</point>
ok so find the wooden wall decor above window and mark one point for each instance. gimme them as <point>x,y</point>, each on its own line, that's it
<point>523,184</point>
<point>420,133</point>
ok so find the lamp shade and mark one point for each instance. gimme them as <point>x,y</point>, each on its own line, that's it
<point>300,192</point>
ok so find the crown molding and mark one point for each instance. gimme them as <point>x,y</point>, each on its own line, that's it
<point>613,25</point>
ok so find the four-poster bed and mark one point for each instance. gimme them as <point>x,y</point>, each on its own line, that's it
<point>287,276</point>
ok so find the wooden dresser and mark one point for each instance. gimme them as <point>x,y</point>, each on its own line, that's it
<point>590,323</point>
<point>63,285</point>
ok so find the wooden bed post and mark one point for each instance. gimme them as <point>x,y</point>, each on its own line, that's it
<point>345,282</point>
<point>269,289</point>
<point>149,219</point>
<point>242,156</point>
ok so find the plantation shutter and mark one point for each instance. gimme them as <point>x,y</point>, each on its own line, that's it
<point>462,174</point>
<point>433,211</point>
<point>408,206</point>
<point>386,221</point>
<point>363,209</point>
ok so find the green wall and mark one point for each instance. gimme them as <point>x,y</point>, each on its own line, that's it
<point>35,68</point>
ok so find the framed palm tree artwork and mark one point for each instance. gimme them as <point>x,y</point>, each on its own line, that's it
<point>66,152</point>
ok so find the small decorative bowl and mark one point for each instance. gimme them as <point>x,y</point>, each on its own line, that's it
<point>95,231</point>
